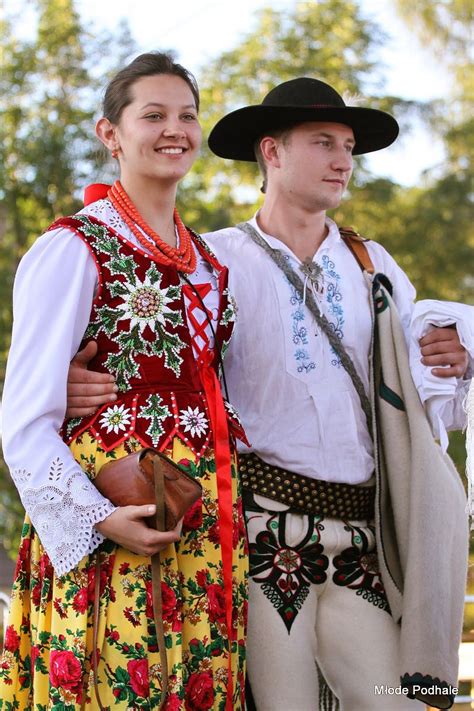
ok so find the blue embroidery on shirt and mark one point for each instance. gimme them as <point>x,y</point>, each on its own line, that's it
<point>300,334</point>
<point>334,298</point>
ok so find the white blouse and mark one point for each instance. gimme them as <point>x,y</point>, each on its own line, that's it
<point>298,405</point>
<point>52,299</point>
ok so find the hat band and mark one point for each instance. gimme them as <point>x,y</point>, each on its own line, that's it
<point>304,106</point>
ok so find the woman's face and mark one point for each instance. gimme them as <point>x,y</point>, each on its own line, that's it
<point>158,135</point>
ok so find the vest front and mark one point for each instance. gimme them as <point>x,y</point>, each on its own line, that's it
<point>138,320</point>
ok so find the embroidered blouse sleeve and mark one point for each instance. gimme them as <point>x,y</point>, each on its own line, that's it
<point>52,298</point>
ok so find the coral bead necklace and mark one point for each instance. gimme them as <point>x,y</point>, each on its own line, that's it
<point>182,257</point>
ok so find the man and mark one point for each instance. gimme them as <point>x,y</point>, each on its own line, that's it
<point>317,601</point>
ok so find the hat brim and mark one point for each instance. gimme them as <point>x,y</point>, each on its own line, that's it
<point>234,135</point>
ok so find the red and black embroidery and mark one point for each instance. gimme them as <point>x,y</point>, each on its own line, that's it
<point>357,568</point>
<point>286,572</point>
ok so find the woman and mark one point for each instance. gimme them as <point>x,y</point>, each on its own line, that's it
<point>128,274</point>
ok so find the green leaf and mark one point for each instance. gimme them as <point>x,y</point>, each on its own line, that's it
<point>122,675</point>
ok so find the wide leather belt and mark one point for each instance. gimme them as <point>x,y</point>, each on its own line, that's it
<point>303,494</point>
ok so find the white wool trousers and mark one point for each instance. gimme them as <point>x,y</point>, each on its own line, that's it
<point>316,600</point>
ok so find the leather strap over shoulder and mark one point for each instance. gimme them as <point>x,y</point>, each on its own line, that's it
<point>356,244</point>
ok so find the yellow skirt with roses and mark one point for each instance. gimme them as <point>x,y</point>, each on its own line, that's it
<point>46,661</point>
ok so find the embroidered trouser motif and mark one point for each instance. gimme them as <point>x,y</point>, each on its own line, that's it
<point>286,571</point>
<point>316,599</point>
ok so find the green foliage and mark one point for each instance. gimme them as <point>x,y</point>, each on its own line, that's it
<point>328,39</point>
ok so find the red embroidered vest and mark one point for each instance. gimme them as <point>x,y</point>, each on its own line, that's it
<point>138,319</point>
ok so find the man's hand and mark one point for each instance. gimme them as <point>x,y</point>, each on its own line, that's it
<point>86,389</point>
<point>126,527</point>
<point>442,347</point>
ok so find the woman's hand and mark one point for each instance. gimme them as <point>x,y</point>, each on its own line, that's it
<point>442,347</point>
<point>86,389</point>
<point>126,526</point>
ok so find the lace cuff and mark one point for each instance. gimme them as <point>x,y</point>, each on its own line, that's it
<point>64,514</point>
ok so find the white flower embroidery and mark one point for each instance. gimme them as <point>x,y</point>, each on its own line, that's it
<point>116,418</point>
<point>145,304</point>
<point>193,421</point>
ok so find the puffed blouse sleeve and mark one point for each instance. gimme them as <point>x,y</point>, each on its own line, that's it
<point>52,297</point>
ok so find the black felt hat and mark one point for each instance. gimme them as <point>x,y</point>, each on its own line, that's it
<point>293,102</point>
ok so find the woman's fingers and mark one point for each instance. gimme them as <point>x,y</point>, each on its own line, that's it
<point>127,527</point>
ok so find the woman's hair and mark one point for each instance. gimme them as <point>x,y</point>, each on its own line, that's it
<point>118,95</point>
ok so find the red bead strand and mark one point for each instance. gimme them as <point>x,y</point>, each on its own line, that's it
<point>183,258</point>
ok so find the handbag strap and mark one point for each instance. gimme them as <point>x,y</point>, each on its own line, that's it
<point>159,481</point>
<point>320,318</point>
<point>156,576</point>
<point>95,632</point>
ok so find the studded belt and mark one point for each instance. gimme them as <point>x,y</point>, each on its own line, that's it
<point>303,494</point>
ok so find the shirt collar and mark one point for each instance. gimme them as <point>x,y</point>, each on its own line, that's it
<point>329,241</point>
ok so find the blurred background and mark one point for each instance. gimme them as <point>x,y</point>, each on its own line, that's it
<point>413,59</point>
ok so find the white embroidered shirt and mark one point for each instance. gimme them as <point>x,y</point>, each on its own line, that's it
<point>298,405</point>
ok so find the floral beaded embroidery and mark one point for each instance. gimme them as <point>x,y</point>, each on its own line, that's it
<point>138,319</point>
<point>193,421</point>
<point>155,411</point>
<point>145,304</point>
<point>116,418</point>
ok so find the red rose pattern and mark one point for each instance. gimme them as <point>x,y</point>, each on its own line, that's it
<point>80,600</point>
<point>199,692</point>
<point>216,603</point>
<point>60,657</point>
<point>12,639</point>
<point>23,560</point>
<point>213,533</point>
<point>193,517</point>
<point>65,671</point>
<point>201,578</point>
<point>138,670</point>
<point>173,703</point>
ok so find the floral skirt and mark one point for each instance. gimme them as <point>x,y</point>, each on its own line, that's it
<point>46,662</point>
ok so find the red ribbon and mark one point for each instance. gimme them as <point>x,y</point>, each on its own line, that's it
<point>218,417</point>
<point>95,191</point>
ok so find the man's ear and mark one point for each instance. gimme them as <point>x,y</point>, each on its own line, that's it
<point>269,148</point>
<point>107,133</point>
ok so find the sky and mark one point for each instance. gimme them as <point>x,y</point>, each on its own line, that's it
<point>198,30</point>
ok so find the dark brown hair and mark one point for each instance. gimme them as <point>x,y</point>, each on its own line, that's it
<point>283,135</point>
<point>118,95</point>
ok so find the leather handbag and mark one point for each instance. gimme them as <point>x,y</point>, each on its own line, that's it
<point>130,481</point>
<point>146,477</point>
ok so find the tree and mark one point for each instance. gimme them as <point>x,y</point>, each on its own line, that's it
<point>330,39</point>
<point>445,201</point>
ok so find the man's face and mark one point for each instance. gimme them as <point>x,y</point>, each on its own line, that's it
<point>315,164</point>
